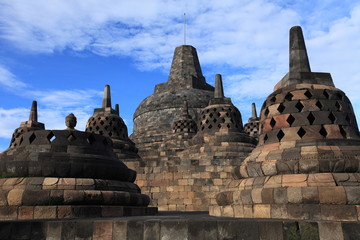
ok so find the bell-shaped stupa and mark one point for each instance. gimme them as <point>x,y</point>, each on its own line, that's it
<point>49,174</point>
<point>106,121</point>
<point>306,164</point>
<point>154,117</point>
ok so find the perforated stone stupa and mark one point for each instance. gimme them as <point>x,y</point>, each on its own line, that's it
<point>252,127</point>
<point>106,121</point>
<point>30,125</point>
<point>155,115</point>
<point>48,174</point>
<point>306,165</point>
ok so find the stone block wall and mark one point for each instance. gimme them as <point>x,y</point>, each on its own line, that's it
<point>188,180</point>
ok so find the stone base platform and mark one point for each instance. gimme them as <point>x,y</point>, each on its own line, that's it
<point>71,212</point>
<point>311,197</point>
<point>177,225</point>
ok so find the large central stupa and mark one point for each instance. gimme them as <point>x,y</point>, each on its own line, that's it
<point>155,115</point>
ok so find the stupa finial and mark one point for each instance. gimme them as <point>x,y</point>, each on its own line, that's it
<point>117,109</point>
<point>33,112</point>
<point>253,111</point>
<point>185,108</point>
<point>299,61</point>
<point>106,103</point>
<point>219,90</point>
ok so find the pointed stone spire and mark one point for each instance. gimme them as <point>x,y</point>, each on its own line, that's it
<point>299,61</point>
<point>185,71</point>
<point>219,90</point>
<point>253,112</point>
<point>106,103</point>
<point>33,117</point>
<point>185,108</point>
<point>117,109</point>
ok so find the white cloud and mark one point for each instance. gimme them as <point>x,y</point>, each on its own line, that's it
<point>8,80</point>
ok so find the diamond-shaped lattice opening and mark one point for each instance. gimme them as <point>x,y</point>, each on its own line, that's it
<point>273,99</point>
<point>311,118</point>
<point>106,118</point>
<point>90,129</point>
<point>308,94</point>
<point>32,138</point>
<point>266,112</point>
<point>110,134</point>
<point>347,118</point>
<point>106,127</point>
<point>71,138</point>
<point>323,132</point>
<point>281,108</point>
<point>207,121</point>
<point>326,94</point>
<point>211,115</point>
<point>203,116</point>
<point>231,120</point>
<point>110,123</point>
<point>207,110</point>
<point>272,122</point>
<point>97,128</point>
<point>332,117</point>
<point>280,135</point>
<point>227,114</point>
<point>210,126</point>
<point>101,132</point>
<point>319,105</point>
<point>90,139</point>
<point>342,131</point>
<point>223,120</point>
<point>214,109</point>
<point>218,114</point>
<point>338,106</point>
<point>228,126</point>
<point>21,140</point>
<point>102,122</point>
<point>301,132</point>
<point>219,125</point>
<point>290,120</point>
<point>289,96</point>
<point>51,137</point>
<point>339,96</point>
<point>214,120</point>
<point>94,123</point>
<point>266,137</point>
<point>99,118</point>
<point>202,128</point>
<point>299,106</point>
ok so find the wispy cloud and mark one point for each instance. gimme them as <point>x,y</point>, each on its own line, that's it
<point>8,79</point>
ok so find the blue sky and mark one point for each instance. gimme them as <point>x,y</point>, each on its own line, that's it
<point>62,52</point>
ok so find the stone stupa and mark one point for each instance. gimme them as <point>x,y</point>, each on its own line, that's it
<point>56,174</point>
<point>155,115</point>
<point>306,164</point>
